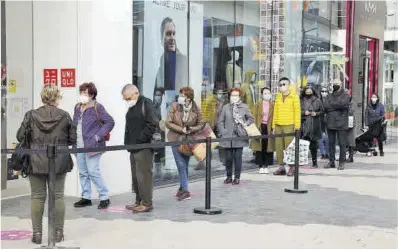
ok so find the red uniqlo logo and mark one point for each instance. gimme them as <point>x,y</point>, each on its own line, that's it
<point>68,78</point>
<point>50,76</point>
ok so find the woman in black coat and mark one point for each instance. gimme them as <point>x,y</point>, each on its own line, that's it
<point>311,111</point>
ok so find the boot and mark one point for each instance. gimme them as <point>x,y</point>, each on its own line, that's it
<point>36,237</point>
<point>314,162</point>
<point>59,235</point>
<point>381,149</point>
<point>350,155</point>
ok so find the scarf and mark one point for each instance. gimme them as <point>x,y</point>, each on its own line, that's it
<point>186,112</point>
<point>235,114</point>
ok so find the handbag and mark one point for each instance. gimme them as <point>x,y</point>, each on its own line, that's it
<point>20,162</point>
<point>252,130</point>
<point>199,150</point>
<point>185,149</point>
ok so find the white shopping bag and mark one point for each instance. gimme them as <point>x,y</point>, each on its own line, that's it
<point>289,153</point>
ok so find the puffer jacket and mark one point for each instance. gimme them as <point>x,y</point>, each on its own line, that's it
<point>373,113</point>
<point>49,125</point>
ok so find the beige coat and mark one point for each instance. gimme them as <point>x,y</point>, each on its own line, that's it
<point>256,145</point>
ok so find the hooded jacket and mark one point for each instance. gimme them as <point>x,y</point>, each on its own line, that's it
<point>48,125</point>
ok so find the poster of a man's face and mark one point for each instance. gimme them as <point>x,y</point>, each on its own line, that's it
<point>169,34</point>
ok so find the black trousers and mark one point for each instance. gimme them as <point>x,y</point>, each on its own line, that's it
<point>314,149</point>
<point>342,137</point>
<point>264,158</point>
<point>233,156</point>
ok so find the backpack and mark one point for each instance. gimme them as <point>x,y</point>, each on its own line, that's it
<point>108,135</point>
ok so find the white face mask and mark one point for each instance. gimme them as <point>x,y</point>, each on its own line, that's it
<point>131,103</point>
<point>324,94</point>
<point>283,88</point>
<point>84,99</point>
<point>220,96</point>
<point>181,100</point>
<point>267,97</point>
<point>374,100</point>
<point>234,99</point>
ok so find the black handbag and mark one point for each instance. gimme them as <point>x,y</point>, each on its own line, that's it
<point>20,161</point>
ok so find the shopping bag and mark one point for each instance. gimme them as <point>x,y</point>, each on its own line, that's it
<point>252,130</point>
<point>199,150</point>
<point>289,152</point>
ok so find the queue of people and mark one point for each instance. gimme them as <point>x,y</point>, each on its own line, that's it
<point>321,121</point>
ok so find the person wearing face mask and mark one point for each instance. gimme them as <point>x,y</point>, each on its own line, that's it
<point>235,116</point>
<point>374,111</point>
<point>159,153</point>
<point>324,142</point>
<point>311,111</point>
<point>47,124</point>
<point>93,124</point>
<point>263,115</point>
<point>337,107</point>
<point>287,119</point>
<point>184,119</point>
<point>141,124</point>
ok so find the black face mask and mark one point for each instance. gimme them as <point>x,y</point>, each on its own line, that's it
<point>336,88</point>
<point>308,95</point>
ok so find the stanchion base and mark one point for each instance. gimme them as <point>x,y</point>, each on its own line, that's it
<point>211,211</point>
<point>57,247</point>
<point>300,191</point>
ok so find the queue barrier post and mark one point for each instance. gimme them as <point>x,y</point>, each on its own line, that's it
<point>52,155</point>
<point>296,167</point>
<point>208,210</point>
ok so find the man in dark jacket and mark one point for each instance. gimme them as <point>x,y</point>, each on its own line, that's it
<point>336,107</point>
<point>141,124</point>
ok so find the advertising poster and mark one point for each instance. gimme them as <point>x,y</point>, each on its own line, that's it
<point>165,68</point>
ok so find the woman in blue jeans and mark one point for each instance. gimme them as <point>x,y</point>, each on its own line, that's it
<point>93,125</point>
<point>184,118</point>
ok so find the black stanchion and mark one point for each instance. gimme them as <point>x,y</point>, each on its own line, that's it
<point>296,167</point>
<point>208,209</point>
<point>52,155</point>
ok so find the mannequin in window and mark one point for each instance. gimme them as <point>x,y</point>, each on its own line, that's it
<point>231,81</point>
<point>223,56</point>
<point>250,90</point>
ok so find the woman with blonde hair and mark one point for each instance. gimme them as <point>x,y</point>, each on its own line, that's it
<point>44,126</point>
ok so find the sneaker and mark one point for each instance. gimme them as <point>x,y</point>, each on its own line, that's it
<point>179,192</point>
<point>291,171</point>
<point>184,196</point>
<point>280,171</point>
<point>261,170</point>
<point>264,170</point>
<point>131,207</point>
<point>83,203</point>
<point>104,204</point>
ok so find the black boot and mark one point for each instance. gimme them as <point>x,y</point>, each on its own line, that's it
<point>330,164</point>
<point>381,149</point>
<point>37,237</point>
<point>59,235</point>
<point>351,155</point>
<point>314,163</point>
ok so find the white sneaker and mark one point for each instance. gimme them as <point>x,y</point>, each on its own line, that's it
<point>266,170</point>
<point>261,171</point>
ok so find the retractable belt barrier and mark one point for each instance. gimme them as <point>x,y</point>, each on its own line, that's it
<point>52,150</point>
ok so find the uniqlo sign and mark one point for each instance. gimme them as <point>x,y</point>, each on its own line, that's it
<point>51,76</point>
<point>68,78</point>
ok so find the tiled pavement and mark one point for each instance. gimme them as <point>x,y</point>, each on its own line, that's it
<point>354,208</point>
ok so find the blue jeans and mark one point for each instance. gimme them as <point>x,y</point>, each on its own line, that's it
<point>324,144</point>
<point>89,170</point>
<point>182,162</point>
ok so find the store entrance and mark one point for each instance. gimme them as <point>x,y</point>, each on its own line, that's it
<point>368,73</point>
